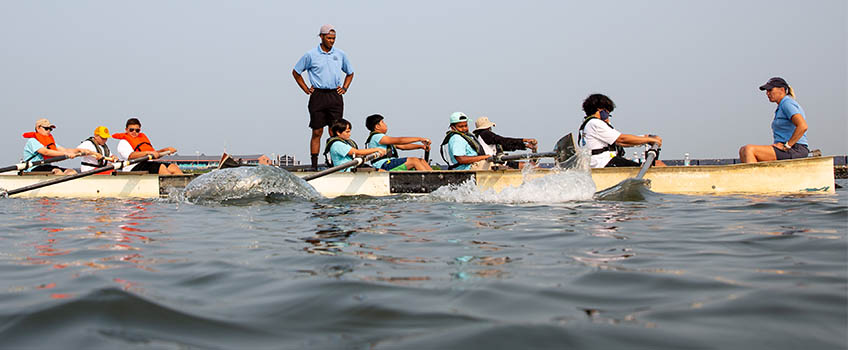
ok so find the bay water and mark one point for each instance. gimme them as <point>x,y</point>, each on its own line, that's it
<point>540,268</point>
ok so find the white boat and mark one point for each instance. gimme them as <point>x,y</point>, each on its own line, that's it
<point>797,176</point>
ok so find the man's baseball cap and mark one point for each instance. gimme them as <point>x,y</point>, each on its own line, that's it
<point>44,122</point>
<point>774,82</point>
<point>457,117</point>
<point>483,123</point>
<point>325,29</point>
<point>102,131</point>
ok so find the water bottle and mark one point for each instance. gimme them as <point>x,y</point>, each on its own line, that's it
<point>685,159</point>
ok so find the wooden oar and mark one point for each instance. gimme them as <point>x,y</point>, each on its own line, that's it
<point>354,163</point>
<point>113,166</point>
<point>27,165</point>
<point>563,150</point>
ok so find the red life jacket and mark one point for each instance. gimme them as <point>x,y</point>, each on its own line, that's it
<point>138,144</point>
<point>45,140</point>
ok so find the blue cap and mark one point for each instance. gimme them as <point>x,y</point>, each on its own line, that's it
<point>457,117</point>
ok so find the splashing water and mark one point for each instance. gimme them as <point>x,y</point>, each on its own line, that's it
<point>562,185</point>
<point>248,183</point>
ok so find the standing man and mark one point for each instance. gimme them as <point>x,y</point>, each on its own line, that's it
<point>327,66</point>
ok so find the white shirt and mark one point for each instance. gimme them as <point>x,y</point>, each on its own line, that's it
<point>124,150</point>
<point>598,134</point>
<point>86,145</point>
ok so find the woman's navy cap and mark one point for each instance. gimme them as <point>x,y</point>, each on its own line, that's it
<point>774,82</point>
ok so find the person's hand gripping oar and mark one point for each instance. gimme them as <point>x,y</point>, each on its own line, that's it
<point>113,166</point>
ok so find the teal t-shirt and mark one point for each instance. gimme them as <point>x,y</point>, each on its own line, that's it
<point>31,149</point>
<point>374,143</point>
<point>457,146</point>
<point>339,154</point>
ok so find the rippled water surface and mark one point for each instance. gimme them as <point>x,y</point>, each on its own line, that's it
<point>294,272</point>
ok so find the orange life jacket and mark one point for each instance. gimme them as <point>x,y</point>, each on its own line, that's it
<point>45,140</point>
<point>138,144</point>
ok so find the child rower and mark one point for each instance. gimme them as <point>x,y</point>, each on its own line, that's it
<point>390,161</point>
<point>341,148</point>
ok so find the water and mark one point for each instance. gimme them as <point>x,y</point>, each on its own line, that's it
<point>456,270</point>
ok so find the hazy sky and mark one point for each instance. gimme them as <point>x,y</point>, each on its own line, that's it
<point>212,75</point>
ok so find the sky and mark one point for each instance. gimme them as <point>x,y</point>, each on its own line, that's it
<point>207,76</point>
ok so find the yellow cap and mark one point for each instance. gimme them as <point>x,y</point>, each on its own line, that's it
<point>102,131</point>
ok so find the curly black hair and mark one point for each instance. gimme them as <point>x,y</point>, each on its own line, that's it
<point>597,101</point>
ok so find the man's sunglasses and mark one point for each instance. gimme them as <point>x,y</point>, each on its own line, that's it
<point>134,130</point>
<point>48,128</point>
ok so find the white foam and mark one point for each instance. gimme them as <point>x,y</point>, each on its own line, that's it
<point>568,185</point>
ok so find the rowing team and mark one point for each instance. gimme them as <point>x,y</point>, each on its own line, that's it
<point>467,151</point>
<point>133,144</point>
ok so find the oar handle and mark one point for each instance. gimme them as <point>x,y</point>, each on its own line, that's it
<point>355,162</point>
<point>649,159</point>
<point>113,166</point>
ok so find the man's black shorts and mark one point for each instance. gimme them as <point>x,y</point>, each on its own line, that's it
<point>47,167</point>
<point>325,107</point>
<point>620,162</point>
<point>149,166</point>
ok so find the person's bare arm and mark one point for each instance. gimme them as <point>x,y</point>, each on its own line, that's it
<point>364,152</point>
<point>800,129</point>
<point>299,79</point>
<point>627,140</point>
<point>343,89</point>
<point>470,159</point>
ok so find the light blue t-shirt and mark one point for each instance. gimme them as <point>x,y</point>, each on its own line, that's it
<point>782,126</point>
<point>339,154</point>
<point>374,143</point>
<point>457,146</point>
<point>31,149</point>
<point>325,68</point>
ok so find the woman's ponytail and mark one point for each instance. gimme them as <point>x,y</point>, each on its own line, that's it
<point>790,91</point>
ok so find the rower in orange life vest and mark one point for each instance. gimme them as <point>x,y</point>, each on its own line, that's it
<point>135,143</point>
<point>40,144</point>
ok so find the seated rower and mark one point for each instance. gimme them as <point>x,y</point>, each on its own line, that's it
<point>135,144</point>
<point>342,149</point>
<point>40,144</point>
<point>391,162</point>
<point>493,143</point>
<point>789,127</point>
<point>606,143</point>
<point>97,144</point>
<point>464,152</point>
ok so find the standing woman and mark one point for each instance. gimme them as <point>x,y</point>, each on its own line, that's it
<point>789,127</point>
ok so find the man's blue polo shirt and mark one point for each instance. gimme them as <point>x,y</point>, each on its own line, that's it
<point>325,68</point>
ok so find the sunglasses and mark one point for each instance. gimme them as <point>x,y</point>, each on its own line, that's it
<point>47,128</point>
<point>134,130</point>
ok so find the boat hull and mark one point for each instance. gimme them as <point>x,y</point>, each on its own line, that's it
<point>797,176</point>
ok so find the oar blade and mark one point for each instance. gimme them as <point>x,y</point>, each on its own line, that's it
<point>565,148</point>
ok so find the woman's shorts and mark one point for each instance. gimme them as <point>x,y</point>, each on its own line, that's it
<point>797,151</point>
